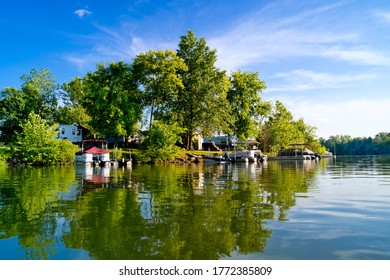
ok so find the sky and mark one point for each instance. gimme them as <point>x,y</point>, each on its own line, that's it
<point>327,61</point>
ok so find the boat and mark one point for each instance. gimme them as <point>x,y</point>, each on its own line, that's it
<point>297,151</point>
<point>93,152</point>
<point>328,154</point>
<point>249,152</point>
<point>214,159</point>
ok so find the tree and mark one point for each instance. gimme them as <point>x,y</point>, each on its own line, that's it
<point>382,141</point>
<point>111,99</point>
<point>161,141</point>
<point>280,129</point>
<point>156,72</point>
<point>38,94</point>
<point>72,111</point>
<point>247,108</point>
<point>201,103</point>
<point>41,92</point>
<point>37,144</point>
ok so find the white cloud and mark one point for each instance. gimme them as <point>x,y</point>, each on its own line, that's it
<point>384,15</point>
<point>113,44</point>
<point>265,37</point>
<point>82,12</point>
<point>357,118</point>
<point>358,55</point>
<point>301,79</point>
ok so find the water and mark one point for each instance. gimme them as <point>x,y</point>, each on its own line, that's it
<point>330,209</point>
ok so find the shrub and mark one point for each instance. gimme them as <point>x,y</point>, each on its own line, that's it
<point>37,145</point>
<point>161,142</point>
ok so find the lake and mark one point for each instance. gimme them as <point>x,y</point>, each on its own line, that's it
<point>303,210</point>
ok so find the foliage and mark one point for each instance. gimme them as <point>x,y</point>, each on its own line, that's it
<point>201,103</point>
<point>161,142</point>
<point>281,129</point>
<point>37,145</point>
<point>110,97</point>
<point>73,114</point>
<point>3,155</point>
<point>117,153</point>
<point>346,145</point>
<point>73,92</point>
<point>38,95</point>
<point>65,151</point>
<point>156,72</point>
<point>72,111</point>
<point>247,108</point>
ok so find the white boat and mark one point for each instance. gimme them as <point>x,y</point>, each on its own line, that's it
<point>93,152</point>
<point>214,159</point>
<point>297,151</point>
<point>328,154</point>
<point>249,154</point>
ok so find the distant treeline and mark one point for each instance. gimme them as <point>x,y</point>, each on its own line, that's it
<point>346,145</point>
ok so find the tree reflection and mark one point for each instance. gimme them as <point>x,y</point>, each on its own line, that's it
<point>187,212</point>
<point>151,211</point>
<point>27,196</point>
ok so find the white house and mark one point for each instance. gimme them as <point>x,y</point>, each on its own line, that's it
<point>72,132</point>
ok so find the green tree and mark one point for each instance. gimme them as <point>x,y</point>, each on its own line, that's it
<point>111,99</point>
<point>37,144</point>
<point>72,111</point>
<point>382,141</point>
<point>156,72</point>
<point>247,108</point>
<point>38,94</point>
<point>201,104</point>
<point>161,141</point>
<point>280,129</point>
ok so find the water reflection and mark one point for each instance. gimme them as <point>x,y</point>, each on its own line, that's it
<point>149,211</point>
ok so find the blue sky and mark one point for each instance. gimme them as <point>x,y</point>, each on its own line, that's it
<point>327,61</point>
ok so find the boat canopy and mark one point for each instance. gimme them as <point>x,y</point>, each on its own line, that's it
<point>93,150</point>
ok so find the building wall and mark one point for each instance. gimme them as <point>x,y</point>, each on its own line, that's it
<point>70,132</point>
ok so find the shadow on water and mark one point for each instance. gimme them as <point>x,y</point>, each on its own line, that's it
<point>148,211</point>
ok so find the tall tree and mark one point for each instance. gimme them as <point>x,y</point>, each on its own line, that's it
<point>156,72</point>
<point>72,111</point>
<point>111,99</point>
<point>201,103</point>
<point>247,108</point>
<point>38,94</point>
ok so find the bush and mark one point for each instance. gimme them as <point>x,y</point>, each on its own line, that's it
<point>37,145</point>
<point>65,151</point>
<point>161,142</point>
<point>4,153</point>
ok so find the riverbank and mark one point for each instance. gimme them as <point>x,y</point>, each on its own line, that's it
<point>182,156</point>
